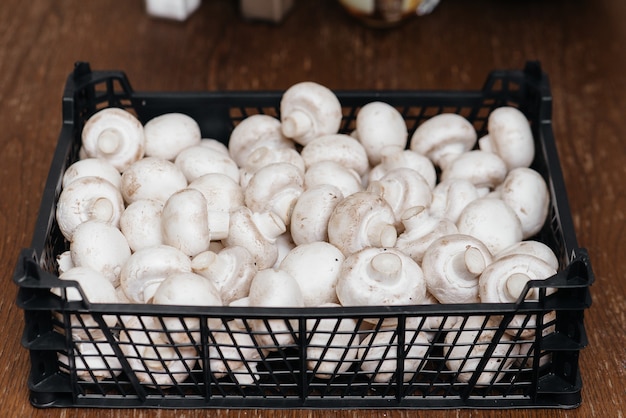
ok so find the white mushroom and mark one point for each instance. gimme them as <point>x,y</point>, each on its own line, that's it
<point>491,221</point>
<point>141,224</point>
<point>231,270</point>
<point>185,222</point>
<point>275,188</point>
<point>274,288</point>
<point>485,170</point>
<point>378,125</point>
<point>115,135</point>
<point>444,137</point>
<point>361,220</point>
<point>340,148</point>
<point>186,289</point>
<point>449,198</point>
<point>168,134</point>
<point>151,178</point>
<point>198,160</point>
<point>88,198</point>
<point>311,213</point>
<point>93,361</point>
<point>509,136</point>
<point>332,344</point>
<point>526,192</point>
<point>234,353</point>
<point>100,246</point>
<point>309,110</point>
<point>345,179</point>
<point>452,265</point>
<point>64,262</point>
<point>147,268</point>
<point>263,156</point>
<point>531,247</point>
<point>92,167</point>
<point>253,132</point>
<point>420,230</point>
<point>257,233</point>
<point>316,267</point>
<point>397,157</point>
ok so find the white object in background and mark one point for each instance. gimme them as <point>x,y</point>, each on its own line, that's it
<point>270,10</point>
<point>172,9</point>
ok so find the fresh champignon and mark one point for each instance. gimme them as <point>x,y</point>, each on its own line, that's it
<point>443,137</point>
<point>340,148</point>
<point>141,224</point>
<point>345,179</point>
<point>168,134</point>
<point>197,160</point>
<point>92,167</point>
<point>360,220</point>
<point>392,157</point>
<point>152,178</point>
<point>420,230</point>
<point>311,213</point>
<point>284,244</point>
<point>332,344</point>
<point>308,110</point>
<point>253,132</point>
<point>491,221</point>
<point>93,361</point>
<point>64,262</point>
<point>316,267</point>
<point>100,246</point>
<point>263,156</point>
<point>485,170</point>
<point>275,188</point>
<point>274,288</point>
<point>509,136</point>
<point>531,247</point>
<point>380,277</point>
<point>378,354</point>
<point>186,289</point>
<point>215,145</point>
<point>402,188</point>
<point>378,125</point>
<point>257,233</point>
<point>147,268</point>
<point>185,222</point>
<point>234,353</point>
<point>115,135</point>
<point>450,198</point>
<point>526,192</point>
<point>452,265</point>
<point>466,345</point>
<point>85,199</point>
<point>231,270</point>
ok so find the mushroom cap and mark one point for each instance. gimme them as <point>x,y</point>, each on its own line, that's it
<point>483,169</point>
<point>492,221</point>
<point>100,246</point>
<point>185,222</point>
<point>147,268</point>
<point>263,156</point>
<point>531,247</point>
<point>152,178</point>
<point>396,157</point>
<point>115,135</point>
<point>345,179</point>
<point>308,110</point>
<point>198,160</point>
<point>510,136</point>
<point>341,148</point>
<point>92,167</point>
<point>170,133</point>
<point>255,131</point>
<point>93,361</point>
<point>187,289</point>
<point>221,192</point>
<point>94,284</point>
<point>452,265</point>
<point>311,213</point>
<point>526,192</point>
<point>451,196</point>
<point>443,137</point>
<point>315,266</point>
<point>141,224</point>
<point>378,125</point>
<point>88,198</point>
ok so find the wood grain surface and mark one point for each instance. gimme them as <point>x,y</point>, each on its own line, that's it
<point>579,43</point>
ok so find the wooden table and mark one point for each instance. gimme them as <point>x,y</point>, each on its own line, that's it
<point>580,45</point>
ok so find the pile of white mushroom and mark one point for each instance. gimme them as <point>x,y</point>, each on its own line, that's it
<point>295,214</point>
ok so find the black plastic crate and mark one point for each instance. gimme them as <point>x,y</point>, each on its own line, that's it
<point>546,375</point>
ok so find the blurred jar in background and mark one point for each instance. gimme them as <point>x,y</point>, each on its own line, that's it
<point>387,13</point>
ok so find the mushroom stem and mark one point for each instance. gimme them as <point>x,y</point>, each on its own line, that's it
<point>382,235</point>
<point>109,140</point>
<point>269,224</point>
<point>515,285</point>
<point>102,209</point>
<point>296,123</point>
<point>474,261</point>
<point>468,265</point>
<point>385,268</point>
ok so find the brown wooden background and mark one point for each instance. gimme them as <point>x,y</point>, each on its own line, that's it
<point>580,44</point>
